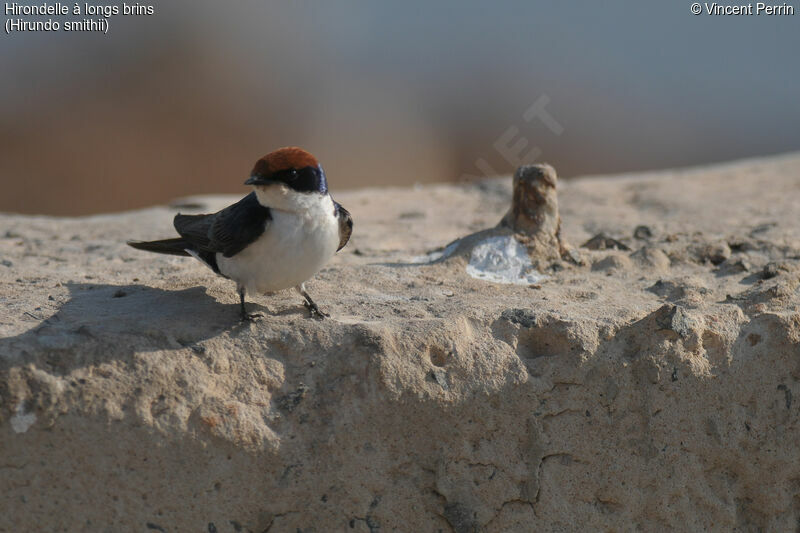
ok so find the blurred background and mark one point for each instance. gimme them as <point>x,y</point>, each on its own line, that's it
<point>184,101</point>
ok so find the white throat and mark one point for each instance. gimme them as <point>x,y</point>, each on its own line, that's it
<point>281,197</point>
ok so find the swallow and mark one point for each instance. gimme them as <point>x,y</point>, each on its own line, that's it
<point>275,238</point>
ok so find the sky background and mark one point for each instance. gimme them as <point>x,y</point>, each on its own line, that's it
<point>184,101</point>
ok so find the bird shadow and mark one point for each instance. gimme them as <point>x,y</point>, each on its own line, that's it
<point>103,322</point>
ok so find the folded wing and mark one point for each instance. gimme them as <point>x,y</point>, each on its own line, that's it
<point>227,231</point>
<point>345,224</point>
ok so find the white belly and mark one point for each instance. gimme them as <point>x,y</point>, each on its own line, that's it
<point>293,248</point>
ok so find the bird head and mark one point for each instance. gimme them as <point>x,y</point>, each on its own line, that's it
<point>288,170</point>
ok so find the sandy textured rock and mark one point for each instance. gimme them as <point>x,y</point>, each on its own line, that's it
<point>649,388</point>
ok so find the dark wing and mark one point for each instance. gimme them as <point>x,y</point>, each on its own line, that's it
<point>345,224</point>
<point>228,231</point>
<point>166,246</point>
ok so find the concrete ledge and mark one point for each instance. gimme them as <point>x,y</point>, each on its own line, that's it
<point>651,387</point>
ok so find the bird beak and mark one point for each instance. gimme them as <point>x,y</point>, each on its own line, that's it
<point>258,180</point>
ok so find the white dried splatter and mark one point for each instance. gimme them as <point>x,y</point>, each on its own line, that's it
<point>502,259</point>
<point>22,421</point>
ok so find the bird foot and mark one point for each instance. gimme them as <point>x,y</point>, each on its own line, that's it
<point>249,317</point>
<point>314,311</point>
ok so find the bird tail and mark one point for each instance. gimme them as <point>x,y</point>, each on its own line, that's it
<point>167,246</point>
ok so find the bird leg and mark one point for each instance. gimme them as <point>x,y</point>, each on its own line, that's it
<point>244,315</point>
<point>313,310</point>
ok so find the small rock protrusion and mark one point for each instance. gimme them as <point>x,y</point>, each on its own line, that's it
<point>601,241</point>
<point>534,211</point>
<point>534,206</point>
<point>652,258</point>
<point>714,253</point>
<point>642,233</point>
<point>440,377</point>
<point>730,267</point>
<point>612,263</point>
<point>773,269</point>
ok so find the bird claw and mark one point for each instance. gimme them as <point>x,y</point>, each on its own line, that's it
<point>250,317</point>
<point>314,311</point>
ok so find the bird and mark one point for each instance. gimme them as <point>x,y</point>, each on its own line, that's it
<point>275,238</point>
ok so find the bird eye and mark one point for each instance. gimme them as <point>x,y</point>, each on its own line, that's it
<point>293,173</point>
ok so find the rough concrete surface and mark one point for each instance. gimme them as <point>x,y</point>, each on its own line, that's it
<point>654,387</point>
